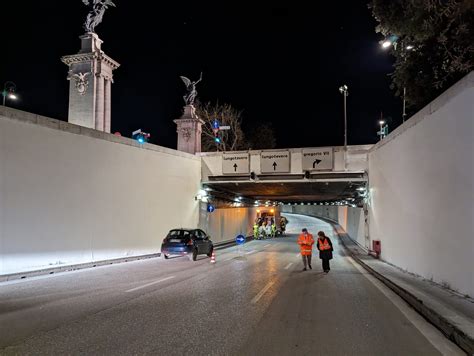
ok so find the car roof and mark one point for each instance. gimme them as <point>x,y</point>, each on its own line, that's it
<point>184,229</point>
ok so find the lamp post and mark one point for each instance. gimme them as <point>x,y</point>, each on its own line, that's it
<point>381,133</point>
<point>392,41</point>
<point>9,89</point>
<point>344,90</point>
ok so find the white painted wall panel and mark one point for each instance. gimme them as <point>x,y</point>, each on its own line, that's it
<point>421,191</point>
<point>67,198</point>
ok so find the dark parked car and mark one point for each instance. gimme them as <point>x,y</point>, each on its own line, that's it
<point>183,242</point>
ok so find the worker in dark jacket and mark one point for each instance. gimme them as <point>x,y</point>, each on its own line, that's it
<point>324,246</point>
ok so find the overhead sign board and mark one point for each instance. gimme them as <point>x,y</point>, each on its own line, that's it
<point>318,159</point>
<point>236,163</point>
<point>275,161</point>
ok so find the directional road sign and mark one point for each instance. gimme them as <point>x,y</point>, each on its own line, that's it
<point>275,161</point>
<point>318,159</point>
<point>240,239</point>
<point>236,163</point>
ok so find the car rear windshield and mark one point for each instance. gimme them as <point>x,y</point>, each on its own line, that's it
<point>179,234</point>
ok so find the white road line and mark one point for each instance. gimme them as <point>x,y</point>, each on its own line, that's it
<point>267,245</point>
<point>149,284</point>
<point>289,265</point>
<point>433,335</point>
<point>262,292</point>
<point>249,252</point>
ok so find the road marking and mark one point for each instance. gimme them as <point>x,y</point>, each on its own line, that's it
<point>262,292</point>
<point>149,284</point>
<point>289,265</point>
<point>249,252</point>
<point>267,245</point>
<point>433,335</point>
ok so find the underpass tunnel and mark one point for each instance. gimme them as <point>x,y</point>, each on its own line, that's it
<point>230,207</point>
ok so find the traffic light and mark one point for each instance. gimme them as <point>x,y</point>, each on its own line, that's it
<point>141,137</point>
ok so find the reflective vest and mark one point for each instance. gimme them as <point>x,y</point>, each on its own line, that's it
<point>255,230</point>
<point>324,245</point>
<point>306,244</point>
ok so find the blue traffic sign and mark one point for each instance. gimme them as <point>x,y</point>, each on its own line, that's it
<point>240,239</point>
<point>210,208</point>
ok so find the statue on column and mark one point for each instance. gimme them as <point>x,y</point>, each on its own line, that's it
<point>96,14</point>
<point>191,90</point>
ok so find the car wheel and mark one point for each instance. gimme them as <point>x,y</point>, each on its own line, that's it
<point>195,254</point>
<point>210,252</point>
<point>166,256</point>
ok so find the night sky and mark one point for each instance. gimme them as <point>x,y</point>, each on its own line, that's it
<point>281,63</point>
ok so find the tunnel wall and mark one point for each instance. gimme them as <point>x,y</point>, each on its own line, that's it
<point>224,224</point>
<point>350,219</point>
<point>320,211</point>
<point>74,195</point>
<point>421,191</point>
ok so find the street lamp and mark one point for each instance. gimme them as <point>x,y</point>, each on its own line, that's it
<point>9,89</point>
<point>392,41</point>
<point>344,90</point>
<point>381,133</point>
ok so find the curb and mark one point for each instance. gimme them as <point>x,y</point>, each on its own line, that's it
<point>452,332</point>
<point>68,268</point>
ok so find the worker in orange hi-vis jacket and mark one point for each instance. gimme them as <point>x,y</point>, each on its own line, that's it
<point>306,242</point>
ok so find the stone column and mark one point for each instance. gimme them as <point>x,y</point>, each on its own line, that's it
<point>90,75</point>
<point>100,100</point>
<point>189,129</point>
<point>107,105</point>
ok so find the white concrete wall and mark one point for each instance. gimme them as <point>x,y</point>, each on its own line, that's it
<point>224,224</point>
<point>350,219</point>
<point>319,211</point>
<point>421,191</point>
<point>72,195</point>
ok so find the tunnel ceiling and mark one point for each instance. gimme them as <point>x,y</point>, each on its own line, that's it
<point>287,192</point>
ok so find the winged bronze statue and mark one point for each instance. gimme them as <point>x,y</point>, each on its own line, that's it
<point>191,90</point>
<point>96,14</point>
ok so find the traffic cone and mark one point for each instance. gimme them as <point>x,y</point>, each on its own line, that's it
<point>213,257</point>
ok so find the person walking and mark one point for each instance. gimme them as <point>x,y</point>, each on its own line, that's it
<point>306,242</point>
<point>324,246</point>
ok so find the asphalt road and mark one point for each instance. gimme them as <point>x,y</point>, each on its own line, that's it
<point>255,300</point>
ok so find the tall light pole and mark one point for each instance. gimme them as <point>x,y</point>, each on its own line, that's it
<point>344,90</point>
<point>381,133</point>
<point>9,89</point>
<point>392,41</point>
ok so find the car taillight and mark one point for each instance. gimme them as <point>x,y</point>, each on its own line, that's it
<point>190,242</point>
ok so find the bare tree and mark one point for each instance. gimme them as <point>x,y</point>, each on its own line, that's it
<point>226,115</point>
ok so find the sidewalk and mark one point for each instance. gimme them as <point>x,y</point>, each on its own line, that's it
<point>449,311</point>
